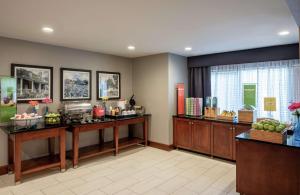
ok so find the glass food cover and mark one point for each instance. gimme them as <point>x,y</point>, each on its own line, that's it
<point>8,106</point>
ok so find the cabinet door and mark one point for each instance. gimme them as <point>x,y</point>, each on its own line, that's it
<point>222,140</point>
<point>201,136</point>
<point>183,133</point>
<point>238,129</point>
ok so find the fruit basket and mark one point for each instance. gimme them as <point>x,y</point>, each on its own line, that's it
<point>25,120</point>
<point>269,130</point>
<point>52,119</point>
<point>227,115</point>
<point>267,136</point>
<point>225,118</point>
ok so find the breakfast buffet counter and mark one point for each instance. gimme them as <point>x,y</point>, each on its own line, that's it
<point>206,135</point>
<point>289,141</point>
<point>210,119</point>
<point>18,135</point>
<point>39,126</point>
<point>105,147</point>
<point>267,168</point>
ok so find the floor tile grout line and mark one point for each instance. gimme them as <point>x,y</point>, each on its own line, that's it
<point>155,161</point>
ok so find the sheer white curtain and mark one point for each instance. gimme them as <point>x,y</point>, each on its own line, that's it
<point>278,79</point>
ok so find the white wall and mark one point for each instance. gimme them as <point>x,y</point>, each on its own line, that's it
<point>23,52</point>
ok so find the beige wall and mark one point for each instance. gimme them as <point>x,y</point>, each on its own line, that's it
<point>150,85</point>
<point>154,80</point>
<point>23,52</point>
<point>178,73</point>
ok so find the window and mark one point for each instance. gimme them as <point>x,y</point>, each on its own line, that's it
<point>278,79</point>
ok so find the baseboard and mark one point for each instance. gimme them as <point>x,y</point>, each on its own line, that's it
<point>3,170</point>
<point>161,146</point>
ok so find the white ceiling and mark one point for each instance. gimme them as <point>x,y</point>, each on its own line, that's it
<point>153,26</point>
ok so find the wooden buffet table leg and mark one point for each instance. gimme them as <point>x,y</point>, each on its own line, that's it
<point>10,142</point>
<point>116,139</point>
<point>62,148</point>
<point>145,131</point>
<point>101,136</point>
<point>17,159</point>
<point>75,147</point>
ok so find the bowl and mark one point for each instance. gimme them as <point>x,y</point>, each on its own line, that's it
<point>26,122</point>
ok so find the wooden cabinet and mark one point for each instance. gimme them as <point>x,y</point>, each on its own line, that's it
<point>222,144</point>
<point>238,129</point>
<point>183,133</point>
<point>266,168</point>
<point>201,136</point>
<point>208,137</point>
<point>192,134</point>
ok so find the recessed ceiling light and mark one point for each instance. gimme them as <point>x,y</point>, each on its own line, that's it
<point>283,33</point>
<point>131,47</point>
<point>47,30</point>
<point>188,49</point>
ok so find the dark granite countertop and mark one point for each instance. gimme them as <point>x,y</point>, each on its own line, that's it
<point>289,142</point>
<point>37,127</point>
<point>102,120</point>
<point>126,117</point>
<point>210,119</point>
<point>42,126</point>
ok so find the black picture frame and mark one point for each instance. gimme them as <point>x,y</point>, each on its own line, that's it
<point>62,98</point>
<point>98,86</point>
<point>14,66</point>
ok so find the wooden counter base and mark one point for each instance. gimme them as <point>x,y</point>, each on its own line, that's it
<point>211,137</point>
<point>264,168</point>
<point>106,147</point>
<point>24,167</point>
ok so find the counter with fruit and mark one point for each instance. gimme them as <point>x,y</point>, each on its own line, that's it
<point>270,131</point>
<point>267,160</point>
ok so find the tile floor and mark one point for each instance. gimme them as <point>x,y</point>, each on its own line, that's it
<point>140,170</point>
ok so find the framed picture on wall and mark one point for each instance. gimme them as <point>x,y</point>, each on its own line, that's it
<point>108,85</point>
<point>33,82</point>
<point>75,84</point>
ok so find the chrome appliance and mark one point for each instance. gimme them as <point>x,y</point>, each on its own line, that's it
<point>77,112</point>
